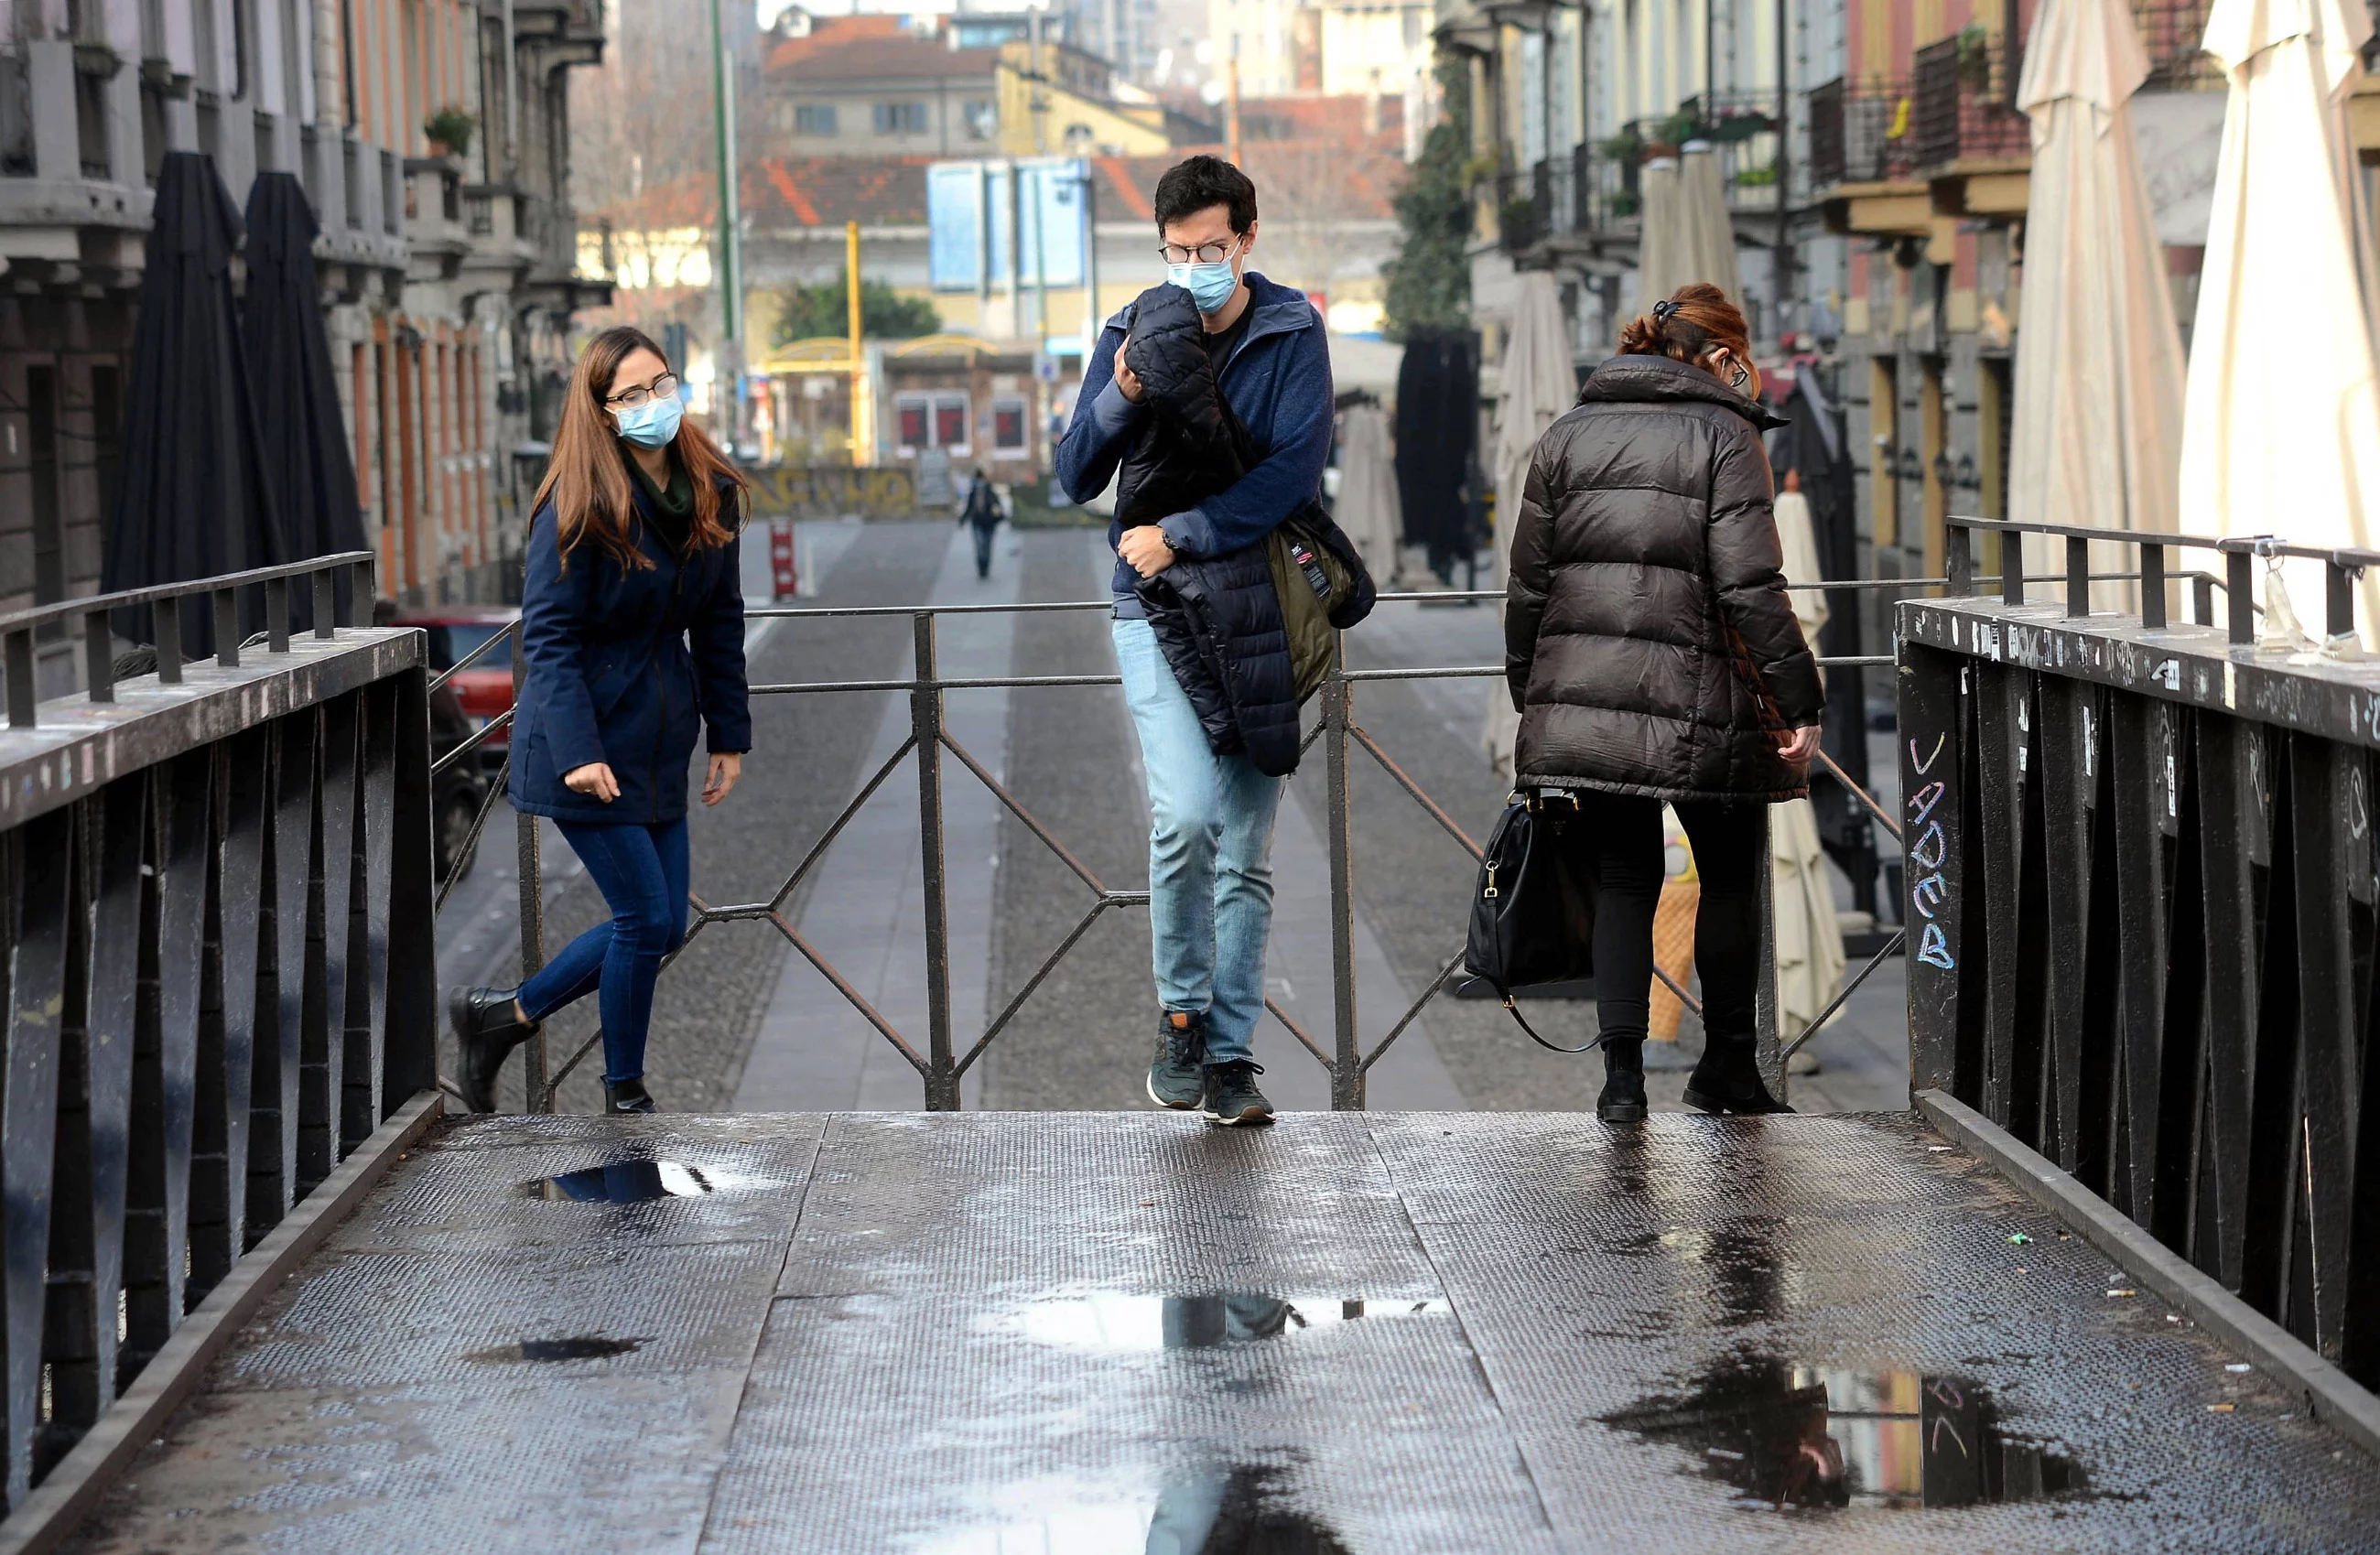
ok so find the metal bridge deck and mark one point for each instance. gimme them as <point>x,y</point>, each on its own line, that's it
<point>1130,1332</point>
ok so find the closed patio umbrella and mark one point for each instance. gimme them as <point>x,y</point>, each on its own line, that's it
<point>193,500</point>
<point>1659,270</point>
<point>2281,426</point>
<point>2097,436</point>
<point>1367,504</point>
<point>1706,245</point>
<point>308,462</point>
<point>1537,384</point>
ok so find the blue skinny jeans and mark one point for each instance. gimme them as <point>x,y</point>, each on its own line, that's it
<point>642,871</point>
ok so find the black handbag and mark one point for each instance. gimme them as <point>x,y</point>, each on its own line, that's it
<point>1532,916</point>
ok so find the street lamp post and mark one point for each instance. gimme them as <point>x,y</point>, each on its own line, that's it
<point>731,257</point>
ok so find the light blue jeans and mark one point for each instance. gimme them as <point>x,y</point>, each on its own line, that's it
<point>1209,855</point>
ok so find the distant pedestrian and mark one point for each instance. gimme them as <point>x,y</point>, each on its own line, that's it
<point>632,555</point>
<point>982,511</point>
<point>1654,657</point>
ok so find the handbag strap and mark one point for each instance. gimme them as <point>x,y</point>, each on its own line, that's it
<point>1515,1010</point>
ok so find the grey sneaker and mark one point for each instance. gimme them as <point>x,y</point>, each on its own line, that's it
<point>1231,1094</point>
<point>1177,1074</point>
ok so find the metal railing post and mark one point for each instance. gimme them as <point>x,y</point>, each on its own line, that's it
<point>537,1097</point>
<point>2240,596</point>
<point>1765,1047</point>
<point>2078,575</point>
<point>24,692</point>
<point>1347,1063</point>
<point>2339,598</point>
<point>1957,559</point>
<point>925,725</point>
<point>2153,587</point>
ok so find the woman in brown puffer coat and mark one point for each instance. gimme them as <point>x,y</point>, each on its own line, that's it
<point>1654,657</point>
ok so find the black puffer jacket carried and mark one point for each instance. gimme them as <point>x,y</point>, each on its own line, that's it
<point>1649,644</point>
<point>1217,620</point>
<point>1191,447</point>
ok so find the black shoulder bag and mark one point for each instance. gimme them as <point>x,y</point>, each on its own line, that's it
<point>1532,918</point>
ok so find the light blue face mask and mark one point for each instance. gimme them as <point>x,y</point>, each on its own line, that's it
<point>1209,286</point>
<point>653,423</point>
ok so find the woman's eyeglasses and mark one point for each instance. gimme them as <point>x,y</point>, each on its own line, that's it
<point>644,393</point>
<point>1204,253</point>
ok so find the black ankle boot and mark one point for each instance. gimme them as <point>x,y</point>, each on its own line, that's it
<point>486,1030</point>
<point>1623,1082</point>
<point>626,1095</point>
<point>1727,1080</point>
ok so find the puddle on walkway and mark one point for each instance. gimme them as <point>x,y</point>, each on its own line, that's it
<point>1241,1509</point>
<point>1808,1437</point>
<point>628,1182</point>
<point>582,1347</point>
<point>1113,1324</point>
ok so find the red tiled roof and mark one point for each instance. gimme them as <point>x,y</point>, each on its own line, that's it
<point>1338,179</point>
<point>859,48</point>
<point>791,192</point>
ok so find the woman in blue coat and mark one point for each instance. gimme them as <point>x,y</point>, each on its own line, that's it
<point>632,623</point>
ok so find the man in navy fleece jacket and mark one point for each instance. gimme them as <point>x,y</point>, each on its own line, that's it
<point>1211,816</point>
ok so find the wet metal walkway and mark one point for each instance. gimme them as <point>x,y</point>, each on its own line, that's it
<point>1425,1332</point>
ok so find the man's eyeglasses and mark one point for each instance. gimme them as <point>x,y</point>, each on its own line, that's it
<point>644,393</point>
<point>1204,253</point>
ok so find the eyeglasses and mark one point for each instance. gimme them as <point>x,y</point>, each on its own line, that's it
<point>644,393</point>
<point>1204,253</point>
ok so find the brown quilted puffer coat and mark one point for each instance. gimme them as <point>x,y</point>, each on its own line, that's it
<point>1647,636</point>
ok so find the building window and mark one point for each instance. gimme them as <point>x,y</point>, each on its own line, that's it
<point>982,119</point>
<point>900,118</point>
<point>814,118</point>
<point>933,421</point>
<point>1008,429</point>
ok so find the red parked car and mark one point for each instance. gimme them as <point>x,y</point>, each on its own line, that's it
<point>485,690</point>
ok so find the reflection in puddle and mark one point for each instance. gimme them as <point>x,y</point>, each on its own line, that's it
<point>1812,1437</point>
<point>583,1347</point>
<point>1241,1508</point>
<point>1125,1324</point>
<point>626,1182</point>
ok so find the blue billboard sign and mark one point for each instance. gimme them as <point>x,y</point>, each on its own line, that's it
<point>968,212</point>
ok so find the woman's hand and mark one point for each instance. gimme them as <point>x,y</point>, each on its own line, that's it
<point>1799,746</point>
<point>594,777</point>
<point>726,767</point>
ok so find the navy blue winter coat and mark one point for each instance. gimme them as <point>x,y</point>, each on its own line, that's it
<point>612,677</point>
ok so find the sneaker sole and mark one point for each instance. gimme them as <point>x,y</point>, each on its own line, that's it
<point>1623,1112</point>
<point>1150,1085</point>
<point>1251,1115</point>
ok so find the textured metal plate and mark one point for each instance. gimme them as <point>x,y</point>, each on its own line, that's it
<point>1094,1332</point>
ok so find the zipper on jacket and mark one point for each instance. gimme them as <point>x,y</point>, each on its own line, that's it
<point>660,728</point>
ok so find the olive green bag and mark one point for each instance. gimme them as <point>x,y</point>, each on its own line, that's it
<point>1305,616</point>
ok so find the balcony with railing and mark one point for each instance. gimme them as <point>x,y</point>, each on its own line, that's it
<point>1962,96</point>
<point>1860,133</point>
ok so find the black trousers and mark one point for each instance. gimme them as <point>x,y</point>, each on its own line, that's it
<point>1616,842</point>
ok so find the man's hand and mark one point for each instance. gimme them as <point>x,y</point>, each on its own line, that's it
<point>726,766</point>
<point>594,777</point>
<point>1126,379</point>
<point>1799,746</point>
<point>1144,549</point>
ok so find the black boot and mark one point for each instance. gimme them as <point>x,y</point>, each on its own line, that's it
<point>626,1095</point>
<point>1622,1100</point>
<point>487,1028</point>
<point>1727,1080</point>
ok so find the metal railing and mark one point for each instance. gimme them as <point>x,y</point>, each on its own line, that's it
<point>206,1007</point>
<point>1963,90</point>
<point>1859,132</point>
<point>2143,876</point>
<point>945,1055</point>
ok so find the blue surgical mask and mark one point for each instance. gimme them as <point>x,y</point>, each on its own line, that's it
<point>1209,286</point>
<point>653,423</point>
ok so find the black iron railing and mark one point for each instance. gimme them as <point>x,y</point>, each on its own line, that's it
<point>944,1055</point>
<point>1861,132</point>
<point>1963,109</point>
<point>2145,893</point>
<point>207,1008</point>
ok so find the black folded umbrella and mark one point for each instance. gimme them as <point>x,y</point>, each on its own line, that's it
<point>193,500</point>
<point>307,460</point>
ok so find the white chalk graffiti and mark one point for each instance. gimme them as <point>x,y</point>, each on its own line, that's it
<point>1929,884</point>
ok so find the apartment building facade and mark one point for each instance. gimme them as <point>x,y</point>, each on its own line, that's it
<point>447,267</point>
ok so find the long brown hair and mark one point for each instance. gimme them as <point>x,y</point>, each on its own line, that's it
<point>587,480</point>
<point>1697,320</point>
